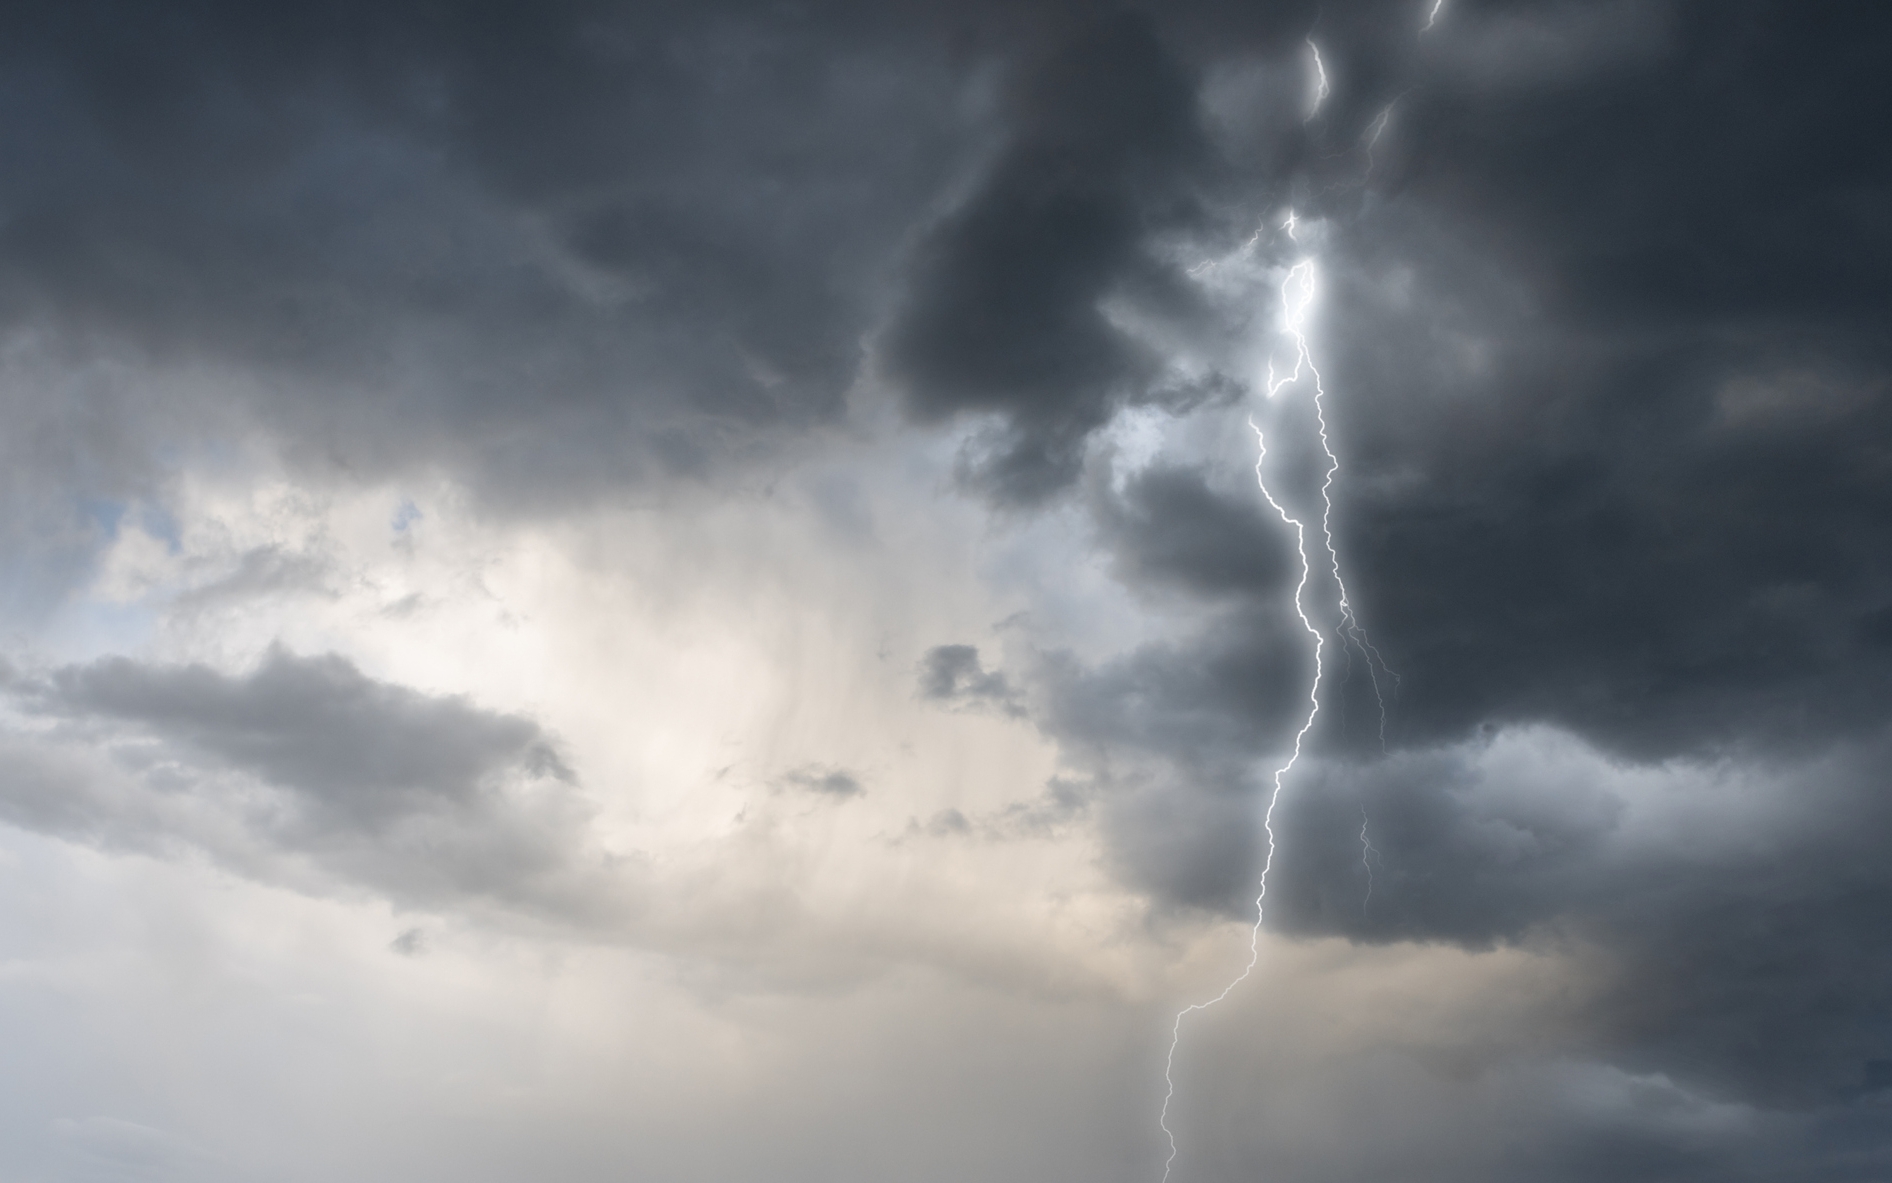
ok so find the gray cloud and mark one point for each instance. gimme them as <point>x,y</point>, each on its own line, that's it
<point>821,779</point>
<point>259,571</point>
<point>1004,310</point>
<point>430,799</point>
<point>111,1150</point>
<point>1051,815</point>
<point>1729,900</point>
<point>954,675</point>
<point>485,240</point>
<point>1233,691</point>
<point>1169,528</point>
<point>1662,540</point>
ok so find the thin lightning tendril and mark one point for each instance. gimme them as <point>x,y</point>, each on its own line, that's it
<point>1432,18</point>
<point>1378,127</point>
<point>1366,859</point>
<point>1373,133</point>
<point>1320,80</point>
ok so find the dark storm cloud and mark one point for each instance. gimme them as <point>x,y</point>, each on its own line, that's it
<point>550,245</point>
<point>1582,483</point>
<point>1005,310</point>
<point>1734,904</point>
<point>1214,701</point>
<point>1169,529</point>
<point>1669,552</point>
<point>1719,170</point>
<point>429,798</point>
<point>1634,477</point>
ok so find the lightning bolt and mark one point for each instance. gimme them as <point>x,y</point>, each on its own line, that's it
<point>1298,289</point>
<point>1432,18</point>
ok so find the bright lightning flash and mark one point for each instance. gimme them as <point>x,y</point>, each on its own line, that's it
<point>1432,18</point>
<point>1297,298</point>
<point>1320,80</point>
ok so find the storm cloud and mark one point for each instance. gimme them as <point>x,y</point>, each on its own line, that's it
<point>745,515</point>
<point>1005,312</point>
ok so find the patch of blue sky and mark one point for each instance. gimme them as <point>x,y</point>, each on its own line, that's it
<point>405,515</point>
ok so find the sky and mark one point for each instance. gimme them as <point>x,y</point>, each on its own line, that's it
<point>738,591</point>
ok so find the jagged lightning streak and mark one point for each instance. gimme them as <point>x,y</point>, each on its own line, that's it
<point>1297,297</point>
<point>1274,796</point>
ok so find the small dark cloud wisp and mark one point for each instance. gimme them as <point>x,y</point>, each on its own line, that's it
<point>953,675</point>
<point>825,781</point>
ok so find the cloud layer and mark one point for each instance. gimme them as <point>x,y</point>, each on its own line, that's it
<point>751,510</point>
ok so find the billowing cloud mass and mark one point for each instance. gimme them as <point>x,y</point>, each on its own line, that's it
<point>665,591</point>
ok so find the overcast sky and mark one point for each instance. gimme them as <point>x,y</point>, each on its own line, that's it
<point>691,592</point>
